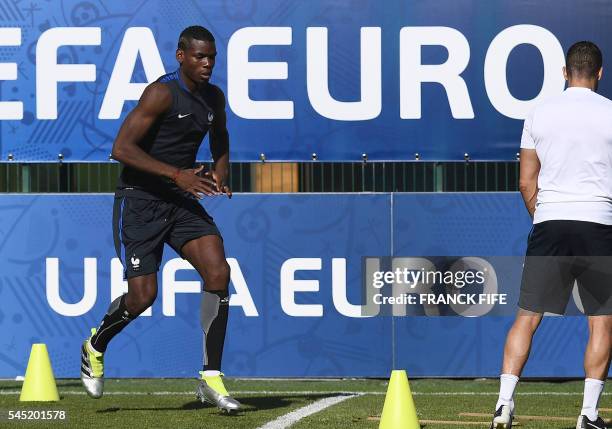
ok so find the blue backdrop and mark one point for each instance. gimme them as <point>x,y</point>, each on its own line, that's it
<point>82,132</point>
<point>266,337</point>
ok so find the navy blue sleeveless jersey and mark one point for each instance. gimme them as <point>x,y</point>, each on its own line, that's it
<point>176,137</point>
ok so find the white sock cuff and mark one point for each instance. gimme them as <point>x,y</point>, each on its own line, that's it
<point>210,373</point>
<point>594,381</point>
<point>510,377</point>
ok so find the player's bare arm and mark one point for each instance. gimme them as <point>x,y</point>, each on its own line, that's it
<point>219,147</point>
<point>154,102</point>
<point>528,180</point>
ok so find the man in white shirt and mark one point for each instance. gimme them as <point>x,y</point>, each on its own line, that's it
<point>566,184</point>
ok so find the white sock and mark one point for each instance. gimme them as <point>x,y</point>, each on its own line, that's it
<point>211,373</point>
<point>507,383</point>
<point>590,401</point>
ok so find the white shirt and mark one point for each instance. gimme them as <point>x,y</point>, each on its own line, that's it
<point>572,136</point>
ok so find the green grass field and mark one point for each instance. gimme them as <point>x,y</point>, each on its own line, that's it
<point>171,403</point>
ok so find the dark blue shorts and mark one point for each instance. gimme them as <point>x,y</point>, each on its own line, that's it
<point>142,226</point>
<point>561,253</point>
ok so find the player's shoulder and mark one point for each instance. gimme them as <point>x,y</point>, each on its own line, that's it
<point>168,78</point>
<point>553,100</point>
<point>605,102</point>
<point>550,104</point>
<point>157,90</point>
<point>165,83</point>
<point>157,96</point>
<point>592,103</point>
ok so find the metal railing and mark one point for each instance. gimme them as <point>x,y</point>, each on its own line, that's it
<point>313,176</point>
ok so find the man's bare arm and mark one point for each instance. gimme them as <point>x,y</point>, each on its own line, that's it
<point>219,147</point>
<point>528,181</point>
<point>154,102</point>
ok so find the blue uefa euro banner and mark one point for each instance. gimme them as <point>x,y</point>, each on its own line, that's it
<point>299,265</point>
<point>335,78</point>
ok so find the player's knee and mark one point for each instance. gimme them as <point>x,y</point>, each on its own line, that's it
<point>148,298</point>
<point>600,327</point>
<point>141,300</point>
<point>218,277</point>
<point>525,326</point>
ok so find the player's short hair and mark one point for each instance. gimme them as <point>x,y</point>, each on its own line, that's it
<point>583,60</point>
<point>196,32</point>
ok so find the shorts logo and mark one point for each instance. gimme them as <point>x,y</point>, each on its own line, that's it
<point>135,263</point>
<point>211,116</point>
<point>180,116</point>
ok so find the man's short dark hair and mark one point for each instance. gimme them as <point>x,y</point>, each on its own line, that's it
<point>583,60</point>
<point>196,32</point>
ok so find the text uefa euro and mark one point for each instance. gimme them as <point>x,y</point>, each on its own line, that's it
<point>299,279</point>
<point>243,68</point>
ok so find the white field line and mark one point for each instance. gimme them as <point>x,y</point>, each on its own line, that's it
<point>288,419</point>
<point>309,392</point>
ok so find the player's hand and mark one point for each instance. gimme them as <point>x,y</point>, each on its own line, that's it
<point>189,180</point>
<point>220,182</point>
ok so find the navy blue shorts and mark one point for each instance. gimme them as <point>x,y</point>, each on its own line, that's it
<point>142,226</point>
<point>561,253</point>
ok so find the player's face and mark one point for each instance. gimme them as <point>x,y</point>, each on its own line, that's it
<point>198,60</point>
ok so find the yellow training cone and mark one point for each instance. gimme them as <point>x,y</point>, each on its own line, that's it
<point>39,383</point>
<point>399,411</point>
